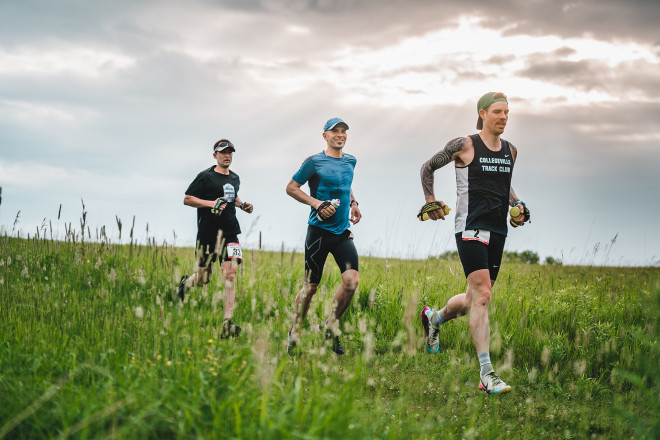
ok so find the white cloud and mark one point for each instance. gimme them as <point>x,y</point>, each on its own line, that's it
<point>453,65</point>
<point>31,113</point>
<point>79,61</point>
<point>33,175</point>
<point>300,30</point>
<point>36,175</point>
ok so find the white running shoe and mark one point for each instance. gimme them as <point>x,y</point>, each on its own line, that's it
<point>492,384</point>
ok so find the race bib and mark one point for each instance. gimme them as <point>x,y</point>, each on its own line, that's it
<point>229,193</point>
<point>476,234</point>
<point>234,251</point>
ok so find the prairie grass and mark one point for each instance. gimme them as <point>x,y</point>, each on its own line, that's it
<point>95,344</point>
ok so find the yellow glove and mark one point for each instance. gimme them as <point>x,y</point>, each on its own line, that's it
<point>423,213</point>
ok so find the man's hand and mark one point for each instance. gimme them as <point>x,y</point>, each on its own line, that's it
<point>324,210</point>
<point>356,215</point>
<point>435,210</point>
<point>519,214</point>
<point>247,207</point>
<point>220,205</point>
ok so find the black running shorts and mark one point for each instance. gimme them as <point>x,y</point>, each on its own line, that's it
<point>476,255</point>
<point>229,249</point>
<point>319,243</point>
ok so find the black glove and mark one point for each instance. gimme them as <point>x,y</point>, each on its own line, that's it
<point>218,204</point>
<point>525,212</point>
<point>334,203</point>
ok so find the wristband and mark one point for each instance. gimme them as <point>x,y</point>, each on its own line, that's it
<point>521,202</point>
<point>353,201</point>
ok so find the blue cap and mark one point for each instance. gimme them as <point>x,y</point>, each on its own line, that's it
<point>332,122</point>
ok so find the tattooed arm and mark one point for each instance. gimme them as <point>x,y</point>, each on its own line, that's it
<point>513,198</point>
<point>512,194</point>
<point>440,159</point>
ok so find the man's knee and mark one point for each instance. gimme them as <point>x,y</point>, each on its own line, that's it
<point>480,287</point>
<point>229,269</point>
<point>310,289</point>
<point>350,278</point>
<point>203,276</point>
<point>481,294</point>
<point>307,292</point>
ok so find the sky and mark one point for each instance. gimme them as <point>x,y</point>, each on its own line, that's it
<point>117,105</point>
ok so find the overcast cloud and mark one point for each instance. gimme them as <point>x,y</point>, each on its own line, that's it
<point>119,103</point>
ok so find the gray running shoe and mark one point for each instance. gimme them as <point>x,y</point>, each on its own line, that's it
<point>492,384</point>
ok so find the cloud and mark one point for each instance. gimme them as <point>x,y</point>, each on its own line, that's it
<point>71,60</point>
<point>632,81</point>
<point>139,91</point>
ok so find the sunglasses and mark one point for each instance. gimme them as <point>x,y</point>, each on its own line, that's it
<point>222,145</point>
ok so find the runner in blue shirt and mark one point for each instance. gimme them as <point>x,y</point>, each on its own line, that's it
<point>329,175</point>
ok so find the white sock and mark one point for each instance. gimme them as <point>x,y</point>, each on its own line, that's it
<point>484,362</point>
<point>436,318</point>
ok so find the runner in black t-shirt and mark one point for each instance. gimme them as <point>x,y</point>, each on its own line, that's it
<point>483,164</point>
<point>214,193</point>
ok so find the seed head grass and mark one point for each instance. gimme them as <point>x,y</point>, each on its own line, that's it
<point>96,344</point>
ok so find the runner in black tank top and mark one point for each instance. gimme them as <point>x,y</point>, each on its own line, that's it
<point>483,188</point>
<point>483,164</point>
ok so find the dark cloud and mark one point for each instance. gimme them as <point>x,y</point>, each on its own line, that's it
<point>500,59</point>
<point>575,73</point>
<point>603,19</point>
<point>625,79</point>
<point>369,23</point>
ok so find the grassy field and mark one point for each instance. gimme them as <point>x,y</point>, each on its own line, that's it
<point>95,344</point>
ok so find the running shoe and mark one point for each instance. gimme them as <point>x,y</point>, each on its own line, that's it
<point>335,344</point>
<point>290,344</point>
<point>229,330</point>
<point>181,290</point>
<point>430,332</point>
<point>492,384</point>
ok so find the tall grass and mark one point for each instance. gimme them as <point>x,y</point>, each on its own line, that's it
<point>95,344</point>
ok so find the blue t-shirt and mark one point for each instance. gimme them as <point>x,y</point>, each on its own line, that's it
<point>329,178</point>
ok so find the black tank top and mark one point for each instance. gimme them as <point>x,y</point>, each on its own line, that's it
<point>483,188</point>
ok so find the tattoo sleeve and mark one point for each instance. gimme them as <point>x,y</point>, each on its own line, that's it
<point>440,159</point>
<point>512,196</point>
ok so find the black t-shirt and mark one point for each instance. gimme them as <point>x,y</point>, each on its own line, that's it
<point>210,185</point>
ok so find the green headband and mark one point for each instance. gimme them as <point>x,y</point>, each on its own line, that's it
<point>486,100</point>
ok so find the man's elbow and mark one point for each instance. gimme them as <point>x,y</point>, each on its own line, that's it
<point>290,189</point>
